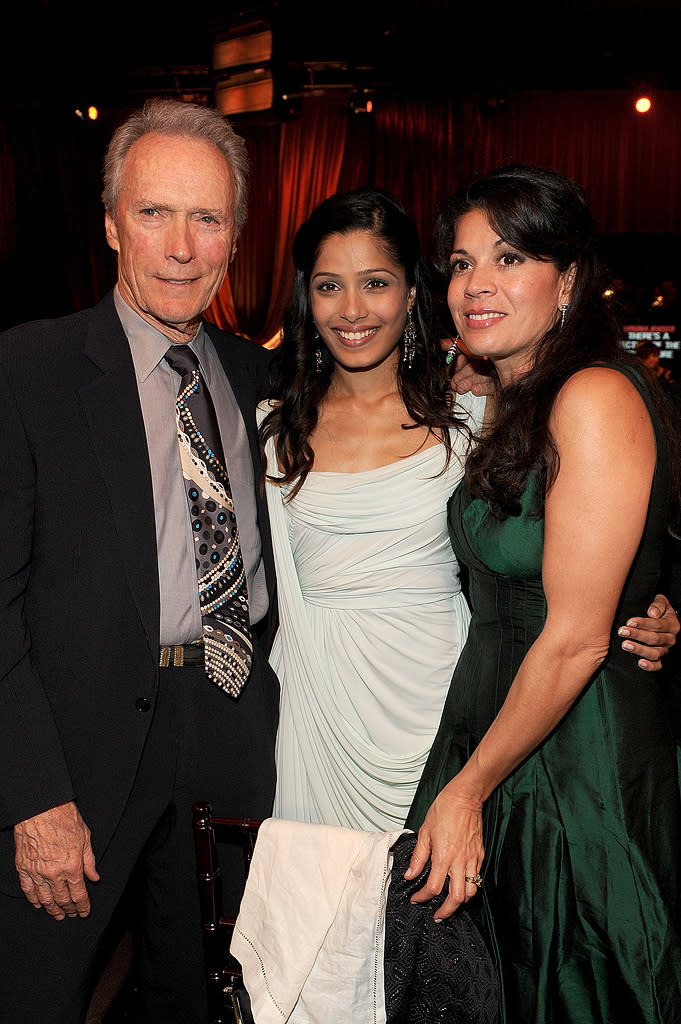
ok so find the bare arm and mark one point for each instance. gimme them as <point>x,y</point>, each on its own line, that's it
<point>53,854</point>
<point>595,513</point>
<point>647,638</point>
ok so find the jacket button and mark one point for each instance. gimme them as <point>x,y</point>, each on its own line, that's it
<point>142,704</point>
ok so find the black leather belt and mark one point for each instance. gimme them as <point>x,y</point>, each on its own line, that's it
<point>179,655</point>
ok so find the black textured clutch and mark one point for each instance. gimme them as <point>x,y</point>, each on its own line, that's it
<point>434,973</point>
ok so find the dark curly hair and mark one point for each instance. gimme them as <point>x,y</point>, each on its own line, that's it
<point>545,216</point>
<point>297,389</point>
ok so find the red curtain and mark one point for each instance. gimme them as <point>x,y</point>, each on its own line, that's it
<point>309,158</point>
<point>420,156</point>
<point>629,164</point>
<point>422,150</point>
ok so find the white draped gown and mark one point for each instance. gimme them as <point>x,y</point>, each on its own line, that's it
<point>372,621</point>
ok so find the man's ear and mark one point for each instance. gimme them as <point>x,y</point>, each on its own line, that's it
<point>111,232</point>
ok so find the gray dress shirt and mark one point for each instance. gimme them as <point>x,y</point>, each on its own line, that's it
<point>158,385</point>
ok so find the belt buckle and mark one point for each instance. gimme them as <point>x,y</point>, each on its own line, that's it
<point>171,656</point>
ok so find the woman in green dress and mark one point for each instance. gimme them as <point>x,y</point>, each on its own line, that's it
<point>553,780</point>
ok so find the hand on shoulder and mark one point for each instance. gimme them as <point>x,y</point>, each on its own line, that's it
<point>473,375</point>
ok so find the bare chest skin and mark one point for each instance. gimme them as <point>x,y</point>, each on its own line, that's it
<point>359,433</point>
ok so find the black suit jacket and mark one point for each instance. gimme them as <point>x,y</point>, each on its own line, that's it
<point>79,594</point>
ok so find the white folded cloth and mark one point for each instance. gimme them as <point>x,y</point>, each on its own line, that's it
<point>311,927</point>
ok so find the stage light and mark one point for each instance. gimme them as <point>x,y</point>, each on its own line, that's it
<point>361,102</point>
<point>242,63</point>
<point>643,104</point>
<point>90,113</point>
<point>252,71</point>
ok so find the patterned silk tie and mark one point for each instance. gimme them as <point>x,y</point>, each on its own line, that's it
<point>221,578</point>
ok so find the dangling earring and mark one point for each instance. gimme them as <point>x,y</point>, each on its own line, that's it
<point>452,351</point>
<point>563,314</point>
<point>318,354</point>
<point>409,341</point>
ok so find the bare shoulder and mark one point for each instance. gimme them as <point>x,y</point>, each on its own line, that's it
<point>598,390</point>
<point>606,447</point>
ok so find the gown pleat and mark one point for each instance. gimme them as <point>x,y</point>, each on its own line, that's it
<point>372,619</point>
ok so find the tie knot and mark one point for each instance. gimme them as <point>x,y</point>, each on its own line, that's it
<point>182,359</point>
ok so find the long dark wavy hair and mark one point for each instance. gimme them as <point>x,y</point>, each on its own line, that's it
<point>297,389</point>
<point>544,215</point>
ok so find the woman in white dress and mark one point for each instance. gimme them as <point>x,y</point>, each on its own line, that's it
<point>365,441</point>
<point>369,443</point>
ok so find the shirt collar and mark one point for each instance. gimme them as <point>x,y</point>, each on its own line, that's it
<point>148,345</point>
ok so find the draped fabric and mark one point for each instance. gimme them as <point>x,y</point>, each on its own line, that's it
<point>429,138</point>
<point>250,274</point>
<point>372,619</point>
<point>311,925</point>
<point>630,166</point>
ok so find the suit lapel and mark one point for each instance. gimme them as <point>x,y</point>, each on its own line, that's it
<point>111,404</point>
<point>244,382</point>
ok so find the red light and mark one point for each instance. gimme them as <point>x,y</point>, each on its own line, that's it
<point>643,105</point>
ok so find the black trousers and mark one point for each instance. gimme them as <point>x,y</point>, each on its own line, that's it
<point>201,745</point>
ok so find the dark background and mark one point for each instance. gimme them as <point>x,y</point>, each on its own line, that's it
<point>62,56</point>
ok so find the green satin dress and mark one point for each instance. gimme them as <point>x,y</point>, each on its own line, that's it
<point>582,872</point>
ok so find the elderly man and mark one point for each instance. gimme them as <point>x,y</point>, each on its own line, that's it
<point>136,585</point>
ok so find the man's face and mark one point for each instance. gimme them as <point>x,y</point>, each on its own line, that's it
<point>173,230</point>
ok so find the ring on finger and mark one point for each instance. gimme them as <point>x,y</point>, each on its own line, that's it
<point>475,880</point>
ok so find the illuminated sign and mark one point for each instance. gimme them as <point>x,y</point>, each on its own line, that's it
<point>665,337</point>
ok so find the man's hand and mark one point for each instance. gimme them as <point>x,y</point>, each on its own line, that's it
<point>649,639</point>
<point>53,853</point>
<point>472,375</point>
